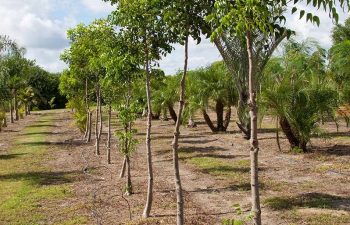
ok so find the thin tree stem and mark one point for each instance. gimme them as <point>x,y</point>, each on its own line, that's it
<point>254,144</point>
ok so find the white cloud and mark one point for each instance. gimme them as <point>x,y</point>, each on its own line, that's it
<point>98,6</point>
<point>41,25</point>
<point>199,56</point>
<point>305,30</point>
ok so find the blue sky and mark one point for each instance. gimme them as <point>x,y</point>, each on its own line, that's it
<point>41,25</point>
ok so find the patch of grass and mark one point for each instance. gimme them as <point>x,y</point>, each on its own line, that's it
<point>25,182</point>
<point>332,166</point>
<point>328,219</point>
<point>237,170</point>
<point>317,218</point>
<point>274,185</point>
<point>79,220</point>
<point>311,200</point>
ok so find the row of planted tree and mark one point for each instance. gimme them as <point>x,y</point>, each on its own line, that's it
<point>23,84</point>
<point>114,63</point>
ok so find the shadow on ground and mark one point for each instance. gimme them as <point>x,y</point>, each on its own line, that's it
<point>309,200</point>
<point>43,178</point>
<point>11,156</point>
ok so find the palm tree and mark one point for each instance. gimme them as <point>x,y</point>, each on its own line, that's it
<point>296,89</point>
<point>165,97</point>
<point>212,87</point>
<point>234,53</point>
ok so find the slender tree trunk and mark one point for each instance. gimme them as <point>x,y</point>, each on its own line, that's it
<point>5,121</point>
<point>254,149</point>
<point>122,171</point>
<point>97,136</point>
<point>149,200</point>
<point>128,178</point>
<point>208,121</point>
<point>101,113</point>
<point>29,107</point>
<point>172,113</point>
<point>86,126</point>
<point>89,127</point>
<point>16,105</point>
<point>87,135</point>
<point>25,109</point>
<point>126,129</point>
<point>175,143</point>
<point>278,135</point>
<point>109,135</point>
<point>227,118</point>
<point>219,108</point>
<point>11,112</point>
<point>87,110</point>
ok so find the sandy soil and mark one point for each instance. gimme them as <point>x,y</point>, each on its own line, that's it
<point>210,198</point>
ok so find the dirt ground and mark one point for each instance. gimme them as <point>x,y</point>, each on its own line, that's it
<point>310,188</point>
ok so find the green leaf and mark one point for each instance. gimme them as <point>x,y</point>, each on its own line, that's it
<point>316,20</point>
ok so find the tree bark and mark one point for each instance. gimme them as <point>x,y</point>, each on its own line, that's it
<point>109,135</point>
<point>29,107</point>
<point>254,149</point>
<point>5,121</point>
<point>287,130</point>
<point>172,113</point>
<point>97,135</point>
<point>227,118</point>
<point>128,177</point>
<point>219,108</point>
<point>175,143</point>
<point>278,135</point>
<point>16,105</point>
<point>122,171</point>
<point>25,109</point>
<point>243,125</point>
<point>86,126</point>
<point>208,121</point>
<point>101,113</point>
<point>11,112</point>
<point>149,200</point>
<point>89,127</point>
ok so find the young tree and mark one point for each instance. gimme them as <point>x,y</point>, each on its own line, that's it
<point>146,32</point>
<point>79,77</point>
<point>242,19</point>
<point>340,61</point>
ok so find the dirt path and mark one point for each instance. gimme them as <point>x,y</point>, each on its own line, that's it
<point>94,191</point>
<point>296,189</point>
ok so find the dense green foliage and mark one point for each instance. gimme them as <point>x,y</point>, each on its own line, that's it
<point>297,89</point>
<point>24,86</point>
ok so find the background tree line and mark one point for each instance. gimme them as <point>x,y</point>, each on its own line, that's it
<point>24,86</point>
